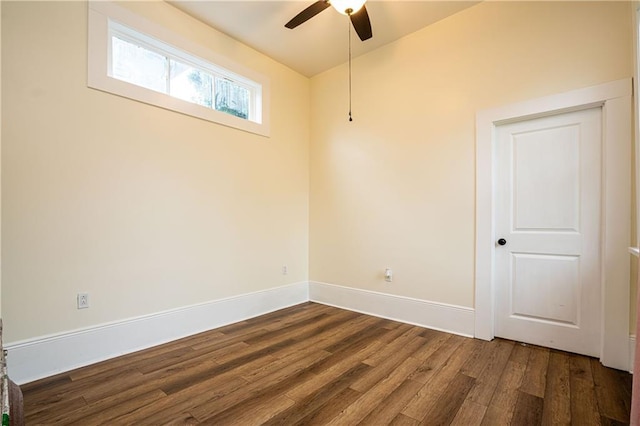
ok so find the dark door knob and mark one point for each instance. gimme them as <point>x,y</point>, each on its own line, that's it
<point>502,241</point>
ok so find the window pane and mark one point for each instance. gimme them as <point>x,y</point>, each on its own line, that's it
<point>232,98</point>
<point>137,65</point>
<point>190,84</point>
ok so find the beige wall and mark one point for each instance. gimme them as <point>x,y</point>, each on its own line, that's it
<point>145,209</point>
<point>149,210</point>
<point>396,187</point>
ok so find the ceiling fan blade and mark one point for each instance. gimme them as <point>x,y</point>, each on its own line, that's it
<point>308,13</point>
<point>362,24</point>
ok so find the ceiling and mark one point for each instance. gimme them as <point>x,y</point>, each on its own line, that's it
<point>322,42</point>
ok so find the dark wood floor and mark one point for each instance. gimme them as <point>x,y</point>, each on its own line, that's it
<point>314,364</point>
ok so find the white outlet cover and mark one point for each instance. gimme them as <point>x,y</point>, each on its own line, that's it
<point>83,300</point>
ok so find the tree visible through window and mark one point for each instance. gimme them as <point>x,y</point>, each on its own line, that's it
<point>232,98</point>
<point>159,68</point>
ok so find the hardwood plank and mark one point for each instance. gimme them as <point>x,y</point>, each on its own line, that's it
<point>180,402</point>
<point>439,379</point>
<point>104,386</point>
<point>224,340</point>
<point>305,408</point>
<point>393,404</point>
<point>471,414</point>
<point>47,410</point>
<point>253,411</point>
<point>117,406</point>
<point>269,346</point>
<point>182,419</point>
<point>136,359</point>
<point>103,412</point>
<point>448,404</point>
<point>580,368</point>
<point>276,383</point>
<point>535,377</point>
<point>260,391</point>
<point>611,396</point>
<point>339,325</point>
<point>503,402</point>
<point>434,341</point>
<point>243,359</point>
<point>477,360</point>
<point>315,364</point>
<point>284,317</point>
<point>393,360</point>
<point>606,421</point>
<point>432,364</point>
<point>557,407</point>
<point>584,405</point>
<point>372,330</point>
<point>325,334</point>
<point>194,356</point>
<point>520,354</point>
<point>343,350</point>
<point>331,408</point>
<point>289,330</point>
<point>320,379</point>
<point>309,355</point>
<point>528,410</point>
<point>402,420</point>
<point>487,381</point>
<point>360,408</point>
<point>393,345</point>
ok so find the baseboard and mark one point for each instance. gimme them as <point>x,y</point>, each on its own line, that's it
<point>49,355</point>
<point>438,316</point>
<point>43,357</point>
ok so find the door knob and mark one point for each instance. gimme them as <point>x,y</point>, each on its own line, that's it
<point>502,241</point>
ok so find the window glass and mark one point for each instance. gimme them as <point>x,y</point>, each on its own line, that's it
<point>154,69</point>
<point>138,59</point>
<point>191,84</point>
<point>232,98</point>
<point>137,65</point>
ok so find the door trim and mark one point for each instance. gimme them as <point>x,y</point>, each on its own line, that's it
<point>615,100</point>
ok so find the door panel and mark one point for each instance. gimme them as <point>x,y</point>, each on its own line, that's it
<point>546,287</point>
<point>546,186</point>
<point>548,209</point>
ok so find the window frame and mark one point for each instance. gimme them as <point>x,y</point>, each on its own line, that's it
<point>107,18</point>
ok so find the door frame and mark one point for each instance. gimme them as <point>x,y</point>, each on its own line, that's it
<point>615,100</point>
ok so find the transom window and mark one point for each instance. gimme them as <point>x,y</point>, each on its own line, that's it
<point>139,60</point>
<point>146,62</point>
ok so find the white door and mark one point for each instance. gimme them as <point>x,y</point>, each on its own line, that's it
<point>547,254</point>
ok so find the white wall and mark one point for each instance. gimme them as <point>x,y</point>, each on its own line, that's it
<point>395,188</point>
<point>145,209</point>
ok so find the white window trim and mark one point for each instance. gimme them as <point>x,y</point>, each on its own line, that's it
<point>98,69</point>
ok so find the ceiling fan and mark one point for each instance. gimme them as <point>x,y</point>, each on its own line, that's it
<point>355,9</point>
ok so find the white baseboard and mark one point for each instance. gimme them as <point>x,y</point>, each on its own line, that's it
<point>42,357</point>
<point>438,316</point>
<point>49,355</point>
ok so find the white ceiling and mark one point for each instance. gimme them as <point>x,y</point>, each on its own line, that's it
<point>322,42</point>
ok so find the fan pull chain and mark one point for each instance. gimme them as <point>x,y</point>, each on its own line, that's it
<point>349,24</point>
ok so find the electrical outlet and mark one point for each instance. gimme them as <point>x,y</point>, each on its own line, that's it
<point>83,300</point>
<point>285,270</point>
